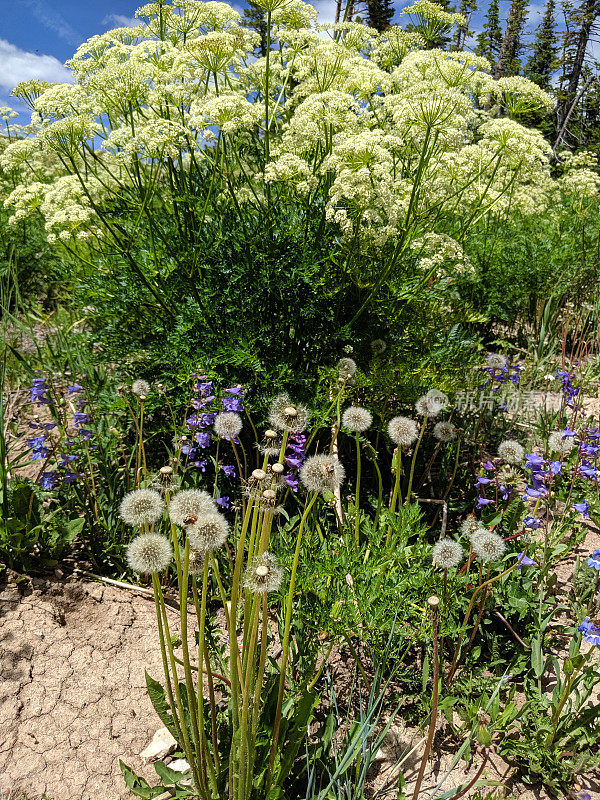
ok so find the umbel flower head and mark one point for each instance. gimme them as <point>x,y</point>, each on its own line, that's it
<point>357,419</point>
<point>512,452</point>
<point>228,425</point>
<point>488,545</point>
<point>141,507</point>
<point>346,369</point>
<point>447,553</point>
<point>188,504</point>
<point>141,388</point>
<point>149,553</point>
<point>287,416</point>
<point>322,473</point>
<point>208,532</point>
<point>558,444</point>
<point>263,574</point>
<point>403,431</point>
<point>444,431</point>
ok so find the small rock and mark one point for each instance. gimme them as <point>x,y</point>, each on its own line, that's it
<point>58,573</point>
<point>161,745</point>
<point>179,765</point>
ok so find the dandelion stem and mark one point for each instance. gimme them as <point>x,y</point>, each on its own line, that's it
<point>357,504</point>
<point>414,460</point>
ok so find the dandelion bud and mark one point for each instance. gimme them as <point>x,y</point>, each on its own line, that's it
<point>149,553</point>
<point>259,475</point>
<point>322,473</point>
<point>403,431</point>
<point>444,431</point>
<point>193,502</point>
<point>447,553</point>
<point>488,545</point>
<point>357,419</point>
<point>558,444</point>
<point>228,425</point>
<point>287,416</point>
<point>141,507</point>
<point>263,574</point>
<point>208,532</point>
<point>141,388</point>
<point>512,452</point>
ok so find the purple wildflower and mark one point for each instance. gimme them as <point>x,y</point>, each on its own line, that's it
<point>483,501</point>
<point>229,470</point>
<point>525,561</point>
<point>591,633</point>
<point>233,404</point>
<point>48,480</point>
<point>223,502</point>
<point>74,389</point>
<point>531,522</point>
<point>583,508</point>
<point>203,439</point>
<point>594,560</point>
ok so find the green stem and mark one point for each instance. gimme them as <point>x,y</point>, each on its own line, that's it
<point>163,651</point>
<point>286,639</point>
<point>414,461</point>
<point>357,504</point>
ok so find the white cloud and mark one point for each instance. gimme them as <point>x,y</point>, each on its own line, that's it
<point>120,21</point>
<point>53,20</point>
<point>326,9</point>
<point>20,65</point>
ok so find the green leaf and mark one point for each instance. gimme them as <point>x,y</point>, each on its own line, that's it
<point>168,776</point>
<point>161,706</point>
<point>139,786</point>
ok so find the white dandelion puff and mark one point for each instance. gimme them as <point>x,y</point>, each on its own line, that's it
<point>558,444</point>
<point>378,346</point>
<point>189,503</point>
<point>346,368</point>
<point>287,416</point>
<point>470,526</point>
<point>427,406</point>
<point>357,419</point>
<point>496,361</point>
<point>141,507</point>
<point>228,425</point>
<point>444,431</point>
<point>488,545</point>
<point>141,388</point>
<point>447,553</point>
<point>403,431</point>
<point>208,532</point>
<point>322,473</point>
<point>263,574</point>
<point>512,452</point>
<point>149,553</point>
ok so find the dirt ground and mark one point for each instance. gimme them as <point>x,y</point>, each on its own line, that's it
<point>73,700</point>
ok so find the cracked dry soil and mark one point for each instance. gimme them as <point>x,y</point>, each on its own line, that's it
<point>73,698</point>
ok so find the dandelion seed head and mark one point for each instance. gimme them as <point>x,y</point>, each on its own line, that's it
<point>378,346</point>
<point>444,431</point>
<point>322,473</point>
<point>447,553</point>
<point>141,388</point>
<point>357,419</point>
<point>209,532</point>
<point>512,452</point>
<point>149,553</point>
<point>346,368</point>
<point>488,545</point>
<point>263,574</point>
<point>189,503</point>
<point>427,406</point>
<point>228,425</point>
<point>470,526</point>
<point>196,562</point>
<point>403,431</point>
<point>287,416</point>
<point>141,507</point>
<point>496,360</point>
<point>557,444</point>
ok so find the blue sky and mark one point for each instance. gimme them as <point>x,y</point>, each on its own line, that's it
<point>38,36</point>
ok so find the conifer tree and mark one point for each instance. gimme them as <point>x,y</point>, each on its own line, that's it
<point>489,41</point>
<point>543,59</point>
<point>467,8</point>
<point>508,57</point>
<point>255,18</point>
<point>379,14</point>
